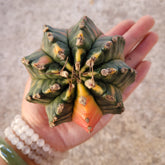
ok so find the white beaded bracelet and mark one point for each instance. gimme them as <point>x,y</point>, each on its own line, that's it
<point>26,140</point>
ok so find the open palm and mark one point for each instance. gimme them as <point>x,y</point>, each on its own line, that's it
<point>139,41</point>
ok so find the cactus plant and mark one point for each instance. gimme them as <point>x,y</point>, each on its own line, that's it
<point>79,74</point>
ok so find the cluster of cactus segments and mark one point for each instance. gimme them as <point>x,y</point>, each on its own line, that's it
<point>79,74</point>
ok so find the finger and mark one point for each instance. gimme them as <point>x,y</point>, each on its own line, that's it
<point>142,70</point>
<point>137,32</point>
<point>139,53</point>
<point>121,28</point>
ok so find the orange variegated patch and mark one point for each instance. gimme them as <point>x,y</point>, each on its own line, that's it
<point>86,112</point>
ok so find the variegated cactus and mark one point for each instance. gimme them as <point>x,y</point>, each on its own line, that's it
<point>78,74</point>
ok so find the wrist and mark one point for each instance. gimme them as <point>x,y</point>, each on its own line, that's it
<point>24,157</point>
<point>29,145</point>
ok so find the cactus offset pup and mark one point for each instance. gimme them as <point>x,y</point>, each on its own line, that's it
<point>78,74</point>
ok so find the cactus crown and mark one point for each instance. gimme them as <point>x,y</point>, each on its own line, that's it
<point>79,74</point>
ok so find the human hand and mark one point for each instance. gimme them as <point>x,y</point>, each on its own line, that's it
<point>139,41</point>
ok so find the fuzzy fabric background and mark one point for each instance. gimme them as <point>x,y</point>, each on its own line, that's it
<point>137,137</point>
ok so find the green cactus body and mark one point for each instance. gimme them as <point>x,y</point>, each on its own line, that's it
<point>78,74</point>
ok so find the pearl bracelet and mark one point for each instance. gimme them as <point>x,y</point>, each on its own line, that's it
<point>26,140</point>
